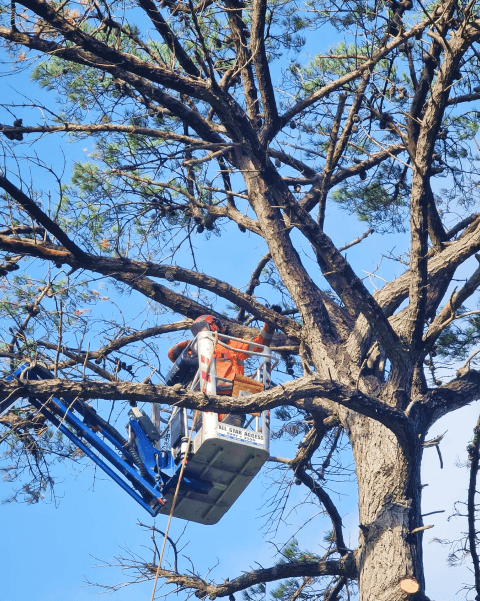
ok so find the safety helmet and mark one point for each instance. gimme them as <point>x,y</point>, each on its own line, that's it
<point>206,321</point>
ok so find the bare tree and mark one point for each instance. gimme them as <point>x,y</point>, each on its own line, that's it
<point>207,117</point>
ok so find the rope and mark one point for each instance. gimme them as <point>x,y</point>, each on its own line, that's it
<point>182,469</point>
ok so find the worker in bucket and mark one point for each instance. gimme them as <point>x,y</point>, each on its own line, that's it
<point>228,362</point>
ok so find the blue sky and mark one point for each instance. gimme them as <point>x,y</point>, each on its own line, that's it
<point>48,550</point>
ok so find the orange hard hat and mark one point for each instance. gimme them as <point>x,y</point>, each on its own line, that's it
<point>206,321</point>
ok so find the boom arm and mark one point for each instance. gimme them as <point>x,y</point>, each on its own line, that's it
<point>143,471</point>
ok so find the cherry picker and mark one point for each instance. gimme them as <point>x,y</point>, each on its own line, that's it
<point>222,459</point>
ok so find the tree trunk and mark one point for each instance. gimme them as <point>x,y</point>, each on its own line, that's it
<point>389,491</point>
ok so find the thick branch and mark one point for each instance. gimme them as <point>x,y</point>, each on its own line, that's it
<point>461,391</point>
<point>135,273</point>
<point>78,356</point>
<point>244,59</point>
<point>340,82</point>
<point>260,60</point>
<point>395,292</point>
<point>266,198</point>
<point>461,225</point>
<point>81,56</point>
<point>421,151</point>
<point>441,267</point>
<point>306,393</point>
<point>168,36</point>
<point>344,281</point>
<point>130,62</point>
<point>474,456</point>
<point>293,162</point>
<point>95,128</point>
<point>330,162</point>
<point>311,198</point>
<point>447,314</point>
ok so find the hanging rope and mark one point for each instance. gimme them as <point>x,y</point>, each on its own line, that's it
<point>182,469</point>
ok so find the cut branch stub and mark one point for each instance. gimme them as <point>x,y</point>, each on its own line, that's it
<point>410,585</point>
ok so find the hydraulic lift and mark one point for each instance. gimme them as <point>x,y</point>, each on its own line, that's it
<point>222,458</point>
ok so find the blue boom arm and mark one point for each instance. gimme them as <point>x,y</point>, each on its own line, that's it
<point>143,471</point>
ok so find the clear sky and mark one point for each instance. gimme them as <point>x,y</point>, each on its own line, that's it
<point>48,551</point>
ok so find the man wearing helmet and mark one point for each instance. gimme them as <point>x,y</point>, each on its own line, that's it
<point>204,322</point>
<point>227,362</point>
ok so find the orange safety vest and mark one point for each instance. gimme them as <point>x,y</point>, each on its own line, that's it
<point>229,363</point>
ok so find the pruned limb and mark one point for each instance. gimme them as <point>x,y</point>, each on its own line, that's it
<point>435,441</point>
<point>420,529</point>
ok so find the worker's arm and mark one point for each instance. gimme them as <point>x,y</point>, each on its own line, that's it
<point>175,352</point>
<point>265,338</point>
<point>266,335</point>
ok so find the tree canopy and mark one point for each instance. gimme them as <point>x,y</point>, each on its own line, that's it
<point>269,125</point>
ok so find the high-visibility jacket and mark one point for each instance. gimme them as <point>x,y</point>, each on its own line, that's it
<point>229,363</point>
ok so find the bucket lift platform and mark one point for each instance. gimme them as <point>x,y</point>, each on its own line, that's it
<point>227,456</point>
<point>222,459</point>
<point>229,459</point>
<point>229,468</point>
